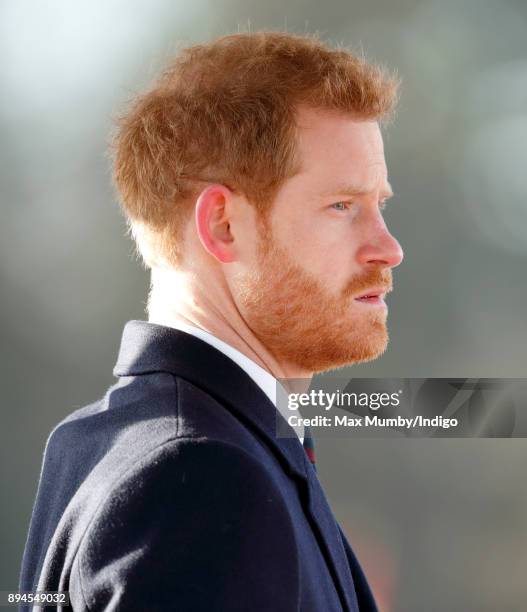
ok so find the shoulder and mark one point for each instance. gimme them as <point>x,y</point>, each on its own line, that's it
<point>143,428</point>
<point>191,512</point>
<point>189,469</point>
<point>156,407</point>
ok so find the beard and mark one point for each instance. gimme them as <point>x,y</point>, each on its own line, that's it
<point>301,322</point>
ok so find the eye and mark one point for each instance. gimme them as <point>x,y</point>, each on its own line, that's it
<point>341,205</point>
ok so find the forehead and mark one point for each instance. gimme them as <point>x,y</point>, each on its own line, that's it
<point>335,148</point>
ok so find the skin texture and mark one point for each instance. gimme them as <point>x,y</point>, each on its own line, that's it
<point>282,289</point>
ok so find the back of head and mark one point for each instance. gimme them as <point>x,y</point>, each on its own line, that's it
<point>225,112</point>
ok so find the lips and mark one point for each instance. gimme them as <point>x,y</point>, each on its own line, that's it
<point>370,299</point>
<point>370,295</point>
<point>374,292</point>
<point>373,296</point>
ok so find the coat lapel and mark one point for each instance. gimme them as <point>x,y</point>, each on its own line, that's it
<point>333,547</point>
<point>148,347</point>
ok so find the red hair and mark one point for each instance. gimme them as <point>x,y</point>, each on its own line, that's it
<point>225,112</point>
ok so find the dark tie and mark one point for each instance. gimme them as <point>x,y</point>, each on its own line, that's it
<point>309,446</point>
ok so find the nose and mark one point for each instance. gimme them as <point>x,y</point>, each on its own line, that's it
<point>381,249</point>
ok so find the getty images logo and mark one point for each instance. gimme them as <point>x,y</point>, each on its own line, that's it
<point>343,399</point>
<point>423,407</point>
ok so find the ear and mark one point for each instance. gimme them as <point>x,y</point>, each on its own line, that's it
<point>212,222</point>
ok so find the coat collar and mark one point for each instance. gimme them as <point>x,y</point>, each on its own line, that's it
<point>148,347</point>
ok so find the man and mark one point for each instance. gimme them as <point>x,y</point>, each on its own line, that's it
<point>253,179</point>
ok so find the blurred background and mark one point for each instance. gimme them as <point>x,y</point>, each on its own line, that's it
<point>438,524</point>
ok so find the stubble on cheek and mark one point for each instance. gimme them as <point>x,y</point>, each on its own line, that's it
<point>301,322</point>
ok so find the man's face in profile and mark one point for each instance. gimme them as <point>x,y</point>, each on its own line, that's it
<point>323,247</point>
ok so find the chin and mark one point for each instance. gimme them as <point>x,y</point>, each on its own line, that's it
<point>373,345</point>
<point>346,352</point>
<point>371,353</point>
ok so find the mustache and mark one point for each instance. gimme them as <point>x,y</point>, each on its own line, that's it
<point>377,277</point>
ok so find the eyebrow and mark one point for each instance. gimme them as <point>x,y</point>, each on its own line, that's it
<point>354,190</point>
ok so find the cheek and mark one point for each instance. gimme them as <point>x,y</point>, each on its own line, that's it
<point>335,260</point>
<point>330,258</point>
<point>307,248</point>
<point>335,267</point>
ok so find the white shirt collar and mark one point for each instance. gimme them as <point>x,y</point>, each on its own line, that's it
<point>266,381</point>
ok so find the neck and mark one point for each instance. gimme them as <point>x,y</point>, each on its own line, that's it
<point>177,296</point>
